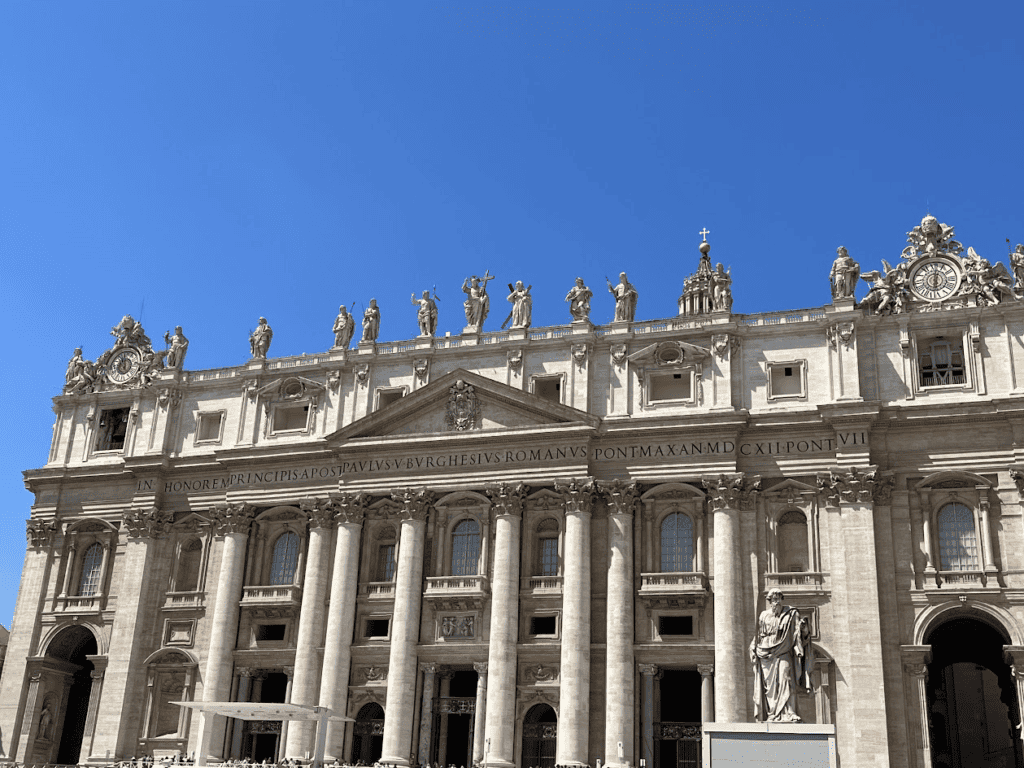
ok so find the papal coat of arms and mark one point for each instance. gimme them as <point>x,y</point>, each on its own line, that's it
<point>463,407</point>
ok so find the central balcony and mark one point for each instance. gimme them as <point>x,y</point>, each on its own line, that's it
<point>797,581</point>
<point>456,592</point>
<point>184,600</point>
<point>283,596</point>
<point>673,589</point>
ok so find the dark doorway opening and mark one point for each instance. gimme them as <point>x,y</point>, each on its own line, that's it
<point>677,734</point>
<point>74,645</point>
<point>540,730</point>
<point>453,743</point>
<point>971,698</point>
<point>368,734</point>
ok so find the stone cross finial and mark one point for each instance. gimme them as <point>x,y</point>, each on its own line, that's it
<point>704,233</point>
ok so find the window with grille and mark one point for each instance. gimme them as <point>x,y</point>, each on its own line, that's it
<point>113,428</point>
<point>285,559</point>
<point>676,543</point>
<point>548,556</point>
<point>466,548</point>
<point>958,539</point>
<point>941,361</point>
<point>385,563</point>
<point>188,566</point>
<point>792,542</point>
<point>92,565</point>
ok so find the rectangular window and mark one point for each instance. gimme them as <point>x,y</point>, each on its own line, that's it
<point>385,563</point>
<point>548,388</point>
<point>675,625</point>
<point>113,428</point>
<point>270,632</point>
<point>548,557</point>
<point>389,396</point>
<point>291,418</point>
<point>940,361</point>
<point>666,387</point>
<point>543,625</point>
<point>786,379</point>
<point>377,627</point>
<point>208,426</point>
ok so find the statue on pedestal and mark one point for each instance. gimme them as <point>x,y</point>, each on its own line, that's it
<point>477,302</point>
<point>80,374</point>
<point>344,327</point>
<point>579,300</point>
<point>782,658</point>
<point>721,280</point>
<point>522,306</point>
<point>259,340</point>
<point>843,275</point>
<point>1017,265</point>
<point>177,346</point>
<point>371,322</point>
<point>426,315</point>
<point>625,298</point>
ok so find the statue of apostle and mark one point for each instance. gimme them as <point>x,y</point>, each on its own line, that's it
<point>344,327</point>
<point>625,298</point>
<point>477,302</point>
<point>259,340</point>
<point>782,658</point>
<point>843,275</point>
<point>426,315</point>
<point>177,346</point>
<point>371,322</point>
<point>579,300</point>
<point>522,306</point>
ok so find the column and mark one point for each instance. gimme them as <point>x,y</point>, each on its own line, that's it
<point>707,704</point>
<point>478,716</point>
<point>95,695</point>
<point>1012,655</point>
<point>427,711</point>
<point>647,674</point>
<point>69,569</point>
<point>574,684</point>
<point>620,701</point>
<point>289,673</point>
<point>32,710</point>
<point>117,715</point>
<point>442,731</point>
<point>245,675</point>
<point>919,674</point>
<point>302,733</point>
<point>499,727</point>
<point>400,705</point>
<point>727,494</point>
<point>232,521</point>
<point>341,617</point>
<point>986,534</point>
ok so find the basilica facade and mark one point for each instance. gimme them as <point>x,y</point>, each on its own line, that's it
<point>543,546</point>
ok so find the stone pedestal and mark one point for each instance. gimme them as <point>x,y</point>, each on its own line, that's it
<point>366,347</point>
<point>769,745</point>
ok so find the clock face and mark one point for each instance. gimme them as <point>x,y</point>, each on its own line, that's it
<point>124,366</point>
<point>935,280</point>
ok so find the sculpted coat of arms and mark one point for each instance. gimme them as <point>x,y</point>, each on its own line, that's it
<point>463,412</point>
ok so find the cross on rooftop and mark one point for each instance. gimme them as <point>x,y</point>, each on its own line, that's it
<point>704,233</point>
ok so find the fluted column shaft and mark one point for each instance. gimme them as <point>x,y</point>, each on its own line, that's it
<point>302,734</point>
<point>499,723</point>
<point>401,697</point>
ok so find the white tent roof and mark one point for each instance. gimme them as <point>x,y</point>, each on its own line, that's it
<point>245,711</point>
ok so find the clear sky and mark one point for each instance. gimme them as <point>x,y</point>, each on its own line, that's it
<point>205,163</point>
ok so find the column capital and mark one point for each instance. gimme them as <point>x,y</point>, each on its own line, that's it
<point>648,670</point>
<point>96,674</point>
<point>428,669</point>
<point>917,670</point>
<point>480,667</point>
<point>319,510</point>
<point>247,672</point>
<point>507,499</point>
<point>415,503</point>
<point>578,495</point>
<point>622,497</point>
<point>706,670</point>
<point>849,485</point>
<point>731,491</point>
<point>289,672</point>
<point>232,518</point>
<point>349,507</point>
<point>40,533</point>
<point>148,523</point>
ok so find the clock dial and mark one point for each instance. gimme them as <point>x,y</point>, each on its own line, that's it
<point>935,280</point>
<point>124,366</point>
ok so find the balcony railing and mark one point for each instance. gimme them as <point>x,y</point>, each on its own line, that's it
<point>80,603</point>
<point>672,583</point>
<point>962,579</point>
<point>183,600</point>
<point>544,585</point>
<point>455,585</point>
<point>794,581</point>
<point>286,594</point>
<point>378,590</point>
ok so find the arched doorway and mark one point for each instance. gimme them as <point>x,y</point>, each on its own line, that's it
<point>368,734</point>
<point>64,711</point>
<point>972,701</point>
<point>540,731</point>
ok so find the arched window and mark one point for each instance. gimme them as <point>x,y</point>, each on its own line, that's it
<point>547,548</point>
<point>285,560</point>
<point>958,539</point>
<point>466,548</point>
<point>92,565</point>
<point>792,542</point>
<point>188,566</point>
<point>676,543</point>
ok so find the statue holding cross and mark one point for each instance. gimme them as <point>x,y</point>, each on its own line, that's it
<point>477,303</point>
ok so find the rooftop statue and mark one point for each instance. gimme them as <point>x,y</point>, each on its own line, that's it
<point>579,300</point>
<point>177,346</point>
<point>129,332</point>
<point>625,298</point>
<point>888,290</point>
<point>930,238</point>
<point>990,283</point>
<point>344,327</point>
<point>522,306</point>
<point>426,315</point>
<point>782,658</point>
<point>477,302</point>
<point>721,281</point>
<point>1017,265</point>
<point>80,374</point>
<point>843,275</point>
<point>259,340</point>
<point>371,322</point>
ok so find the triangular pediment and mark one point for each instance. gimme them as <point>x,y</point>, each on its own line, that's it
<point>462,402</point>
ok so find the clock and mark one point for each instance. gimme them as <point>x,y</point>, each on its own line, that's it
<point>124,366</point>
<point>935,280</point>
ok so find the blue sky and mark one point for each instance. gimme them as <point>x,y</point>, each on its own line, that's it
<point>203,164</point>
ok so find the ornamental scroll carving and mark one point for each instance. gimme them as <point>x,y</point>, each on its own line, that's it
<point>577,495</point>
<point>146,523</point>
<point>463,411</point>
<point>415,503</point>
<point>735,491</point>
<point>40,533</point>
<point>320,512</point>
<point>232,518</point>
<point>349,507</point>
<point>508,498</point>
<point>622,497</point>
<point>848,486</point>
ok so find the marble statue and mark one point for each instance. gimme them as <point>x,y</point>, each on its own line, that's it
<point>721,282</point>
<point>426,315</point>
<point>45,720</point>
<point>80,374</point>
<point>1017,265</point>
<point>781,655</point>
<point>177,346</point>
<point>843,275</point>
<point>579,300</point>
<point>888,291</point>
<point>931,238</point>
<point>371,322</point>
<point>129,332</point>
<point>259,340</point>
<point>625,298</point>
<point>344,327</point>
<point>477,302</point>
<point>989,283</point>
<point>522,306</point>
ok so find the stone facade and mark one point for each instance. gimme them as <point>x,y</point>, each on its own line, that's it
<point>534,546</point>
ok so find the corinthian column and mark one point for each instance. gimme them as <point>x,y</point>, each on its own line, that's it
<point>401,698</point>
<point>727,495</point>
<point>507,503</point>
<point>622,499</point>
<point>574,686</point>
<point>341,616</point>
<point>311,622</point>
<point>231,521</point>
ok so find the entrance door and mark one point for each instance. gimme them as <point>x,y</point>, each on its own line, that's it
<point>677,735</point>
<point>972,699</point>
<point>368,734</point>
<point>74,645</point>
<point>540,731</point>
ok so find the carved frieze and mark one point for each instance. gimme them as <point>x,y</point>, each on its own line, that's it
<point>414,503</point>
<point>507,498</point>
<point>232,518</point>
<point>458,627</point>
<point>146,523</point>
<point>577,495</point>
<point>622,497</point>
<point>848,485</point>
<point>40,533</point>
<point>463,411</point>
<point>735,491</point>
